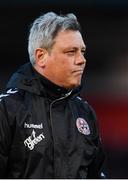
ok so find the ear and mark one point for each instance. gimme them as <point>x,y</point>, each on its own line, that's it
<point>40,56</point>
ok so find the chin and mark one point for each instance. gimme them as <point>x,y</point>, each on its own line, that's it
<point>72,86</point>
<point>77,84</point>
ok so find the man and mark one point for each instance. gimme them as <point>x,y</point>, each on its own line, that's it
<point>46,129</point>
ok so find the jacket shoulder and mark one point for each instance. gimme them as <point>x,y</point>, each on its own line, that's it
<point>83,103</point>
<point>10,94</point>
<point>11,99</point>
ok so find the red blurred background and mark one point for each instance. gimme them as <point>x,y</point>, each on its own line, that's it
<point>105,31</point>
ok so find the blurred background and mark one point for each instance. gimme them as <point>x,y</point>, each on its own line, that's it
<point>105,31</point>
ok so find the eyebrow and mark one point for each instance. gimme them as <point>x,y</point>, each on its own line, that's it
<point>76,48</point>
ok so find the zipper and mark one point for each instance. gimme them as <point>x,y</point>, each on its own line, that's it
<point>51,120</point>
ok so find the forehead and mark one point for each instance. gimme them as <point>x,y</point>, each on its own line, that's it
<point>69,38</point>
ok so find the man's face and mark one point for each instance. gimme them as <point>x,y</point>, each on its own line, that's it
<point>65,64</point>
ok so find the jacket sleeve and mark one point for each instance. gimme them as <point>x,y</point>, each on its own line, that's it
<point>5,137</point>
<point>97,167</point>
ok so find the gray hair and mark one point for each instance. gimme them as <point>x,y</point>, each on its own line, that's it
<point>45,28</point>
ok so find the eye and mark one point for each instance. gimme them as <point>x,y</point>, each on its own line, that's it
<point>71,52</point>
<point>83,52</point>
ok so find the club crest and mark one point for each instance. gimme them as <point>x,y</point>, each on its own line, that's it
<point>82,126</point>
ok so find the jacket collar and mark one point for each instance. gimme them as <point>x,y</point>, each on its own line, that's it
<point>28,79</point>
<point>52,90</point>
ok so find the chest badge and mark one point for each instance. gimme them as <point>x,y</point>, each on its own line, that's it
<point>82,126</point>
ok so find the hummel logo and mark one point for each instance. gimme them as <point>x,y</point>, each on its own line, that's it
<point>32,140</point>
<point>10,91</point>
<point>34,126</point>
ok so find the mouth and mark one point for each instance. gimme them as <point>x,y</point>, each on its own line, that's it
<point>78,71</point>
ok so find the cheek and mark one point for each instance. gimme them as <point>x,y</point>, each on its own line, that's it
<point>63,66</point>
<point>66,69</point>
<point>67,64</point>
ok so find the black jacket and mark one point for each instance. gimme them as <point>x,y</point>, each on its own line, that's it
<point>46,131</point>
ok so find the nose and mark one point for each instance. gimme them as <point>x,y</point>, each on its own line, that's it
<point>80,59</point>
